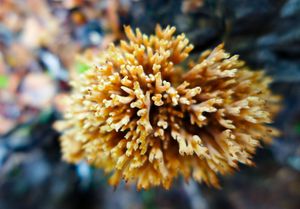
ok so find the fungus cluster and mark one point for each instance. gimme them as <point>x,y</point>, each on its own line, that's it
<point>145,113</point>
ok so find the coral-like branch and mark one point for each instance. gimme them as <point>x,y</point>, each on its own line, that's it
<point>138,115</point>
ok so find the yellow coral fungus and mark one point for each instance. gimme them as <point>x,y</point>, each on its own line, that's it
<point>141,117</point>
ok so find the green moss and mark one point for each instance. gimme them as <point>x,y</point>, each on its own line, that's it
<point>3,81</point>
<point>81,67</point>
<point>297,128</point>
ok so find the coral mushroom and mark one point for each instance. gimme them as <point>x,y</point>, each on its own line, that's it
<point>139,115</point>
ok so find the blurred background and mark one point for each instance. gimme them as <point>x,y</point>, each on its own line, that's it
<point>39,40</point>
